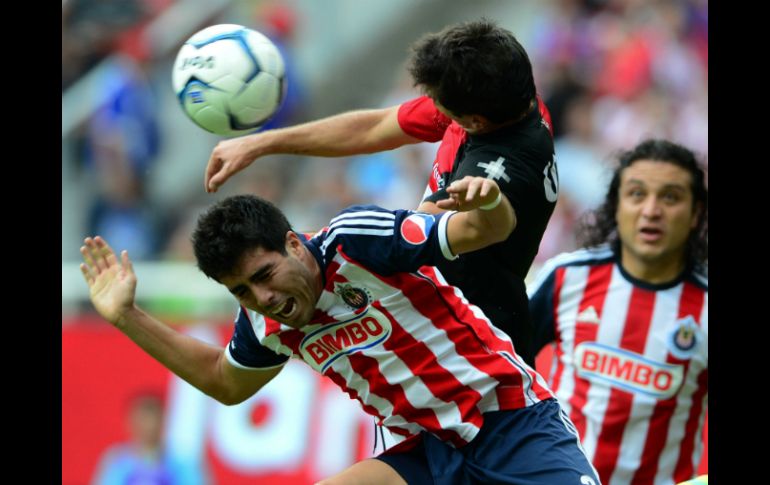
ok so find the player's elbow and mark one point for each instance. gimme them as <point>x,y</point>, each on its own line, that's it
<point>499,231</point>
<point>231,401</point>
<point>229,398</point>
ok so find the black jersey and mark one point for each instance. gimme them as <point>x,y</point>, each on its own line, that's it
<point>520,158</point>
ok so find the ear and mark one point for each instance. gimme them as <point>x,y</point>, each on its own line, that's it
<point>479,122</point>
<point>293,243</point>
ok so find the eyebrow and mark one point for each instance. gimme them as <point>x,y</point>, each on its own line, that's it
<point>666,186</point>
<point>258,275</point>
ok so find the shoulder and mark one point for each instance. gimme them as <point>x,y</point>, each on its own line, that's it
<point>700,276</point>
<point>359,222</point>
<point>582,257</point>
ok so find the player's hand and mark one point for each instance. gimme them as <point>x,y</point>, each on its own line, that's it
<point>469,193</point>
<point>111,283</point>
<point>228,158</point>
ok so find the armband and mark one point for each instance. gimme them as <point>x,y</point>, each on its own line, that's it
<point>493,204</point>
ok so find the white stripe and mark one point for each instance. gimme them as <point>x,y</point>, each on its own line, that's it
<point>610,333</point>
<point>422,329</point>
<point>384,407</point>
<point>637,430</point>
<point>581,255</point>
<point>428,192</point>
<point>684,403</point>
<point>359,222</point>
<point>397,372</point>
<point>360,214</point>
<point>346,230</point>
<point>272,342</point>
<point>701,274</point>
<point>573,286</point>
<point>530,396</point>
<point>443,240</point>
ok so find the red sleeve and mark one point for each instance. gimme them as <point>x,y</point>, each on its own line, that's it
<point>420,118</point>
<point>545,114</point>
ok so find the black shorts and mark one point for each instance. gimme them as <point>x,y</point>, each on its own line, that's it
<point>537,445</point>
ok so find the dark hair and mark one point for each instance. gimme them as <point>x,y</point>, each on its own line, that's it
<point>600,226</point>
<point>233,226</point>
<point>475,68</point>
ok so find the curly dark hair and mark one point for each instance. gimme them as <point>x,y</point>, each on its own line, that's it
<point>475,68</point>
<point>600,226</point>
<point>233,226</point>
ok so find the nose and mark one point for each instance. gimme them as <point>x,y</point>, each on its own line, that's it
<point>264,296</point>
<point>651,207</point>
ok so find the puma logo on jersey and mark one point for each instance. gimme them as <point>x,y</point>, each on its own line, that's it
<point>627,370</point>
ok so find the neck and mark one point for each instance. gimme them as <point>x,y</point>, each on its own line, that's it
<point>497,126</point>
<point>315,270</point>
<point>661,270</point>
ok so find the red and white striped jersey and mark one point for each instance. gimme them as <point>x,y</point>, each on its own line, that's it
<point>392,334</point>
<point>630,366</point>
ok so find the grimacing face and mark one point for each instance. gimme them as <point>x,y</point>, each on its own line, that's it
<point>655,215</point>
<point>281,287</point>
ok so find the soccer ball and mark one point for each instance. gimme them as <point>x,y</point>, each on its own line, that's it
<point>229,79</point>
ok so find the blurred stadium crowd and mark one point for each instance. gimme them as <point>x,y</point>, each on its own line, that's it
<point>611,71</point>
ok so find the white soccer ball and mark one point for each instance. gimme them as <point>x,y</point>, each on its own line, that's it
<point>229,79</point>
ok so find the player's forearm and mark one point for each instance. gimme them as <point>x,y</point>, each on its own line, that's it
<point>479,228</point>
<point>494,224</point>
<point>191,359</point>
<point>351,133</point>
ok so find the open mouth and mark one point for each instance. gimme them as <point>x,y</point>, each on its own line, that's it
<point>286,310</point>
<point>650,233</point>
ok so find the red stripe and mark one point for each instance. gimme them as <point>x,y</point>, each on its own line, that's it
<point>291,339</point>
<point>369,409</point>
<point>472,337</point>
<point>456,319</point>
<point>559,353</point>
<point>635,330</point>
<point>545,114</point>
<point>368,368</point>
<point>484,329</point>
<point>684,466</point>
<point>690,303</point>
<point>342,383</point>
<point>593,295</point>
<point>271,326</point>
<point>423,362</point>
<point>332,273</point>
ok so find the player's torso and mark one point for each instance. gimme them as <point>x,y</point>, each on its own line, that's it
<point>387,342</point>
<point>632,368</point>
<point>493,277</point>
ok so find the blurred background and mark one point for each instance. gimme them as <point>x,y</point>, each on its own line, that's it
<point>612,72</point>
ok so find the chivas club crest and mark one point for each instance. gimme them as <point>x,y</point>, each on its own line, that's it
<point>355,298</point>
<point>684,338</point>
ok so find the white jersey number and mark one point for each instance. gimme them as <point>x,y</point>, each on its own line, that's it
<point>551,180</point>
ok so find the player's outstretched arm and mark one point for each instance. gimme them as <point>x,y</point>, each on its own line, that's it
<point>485,216</point>
<point>112,288</point>
<point>352,133</point>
